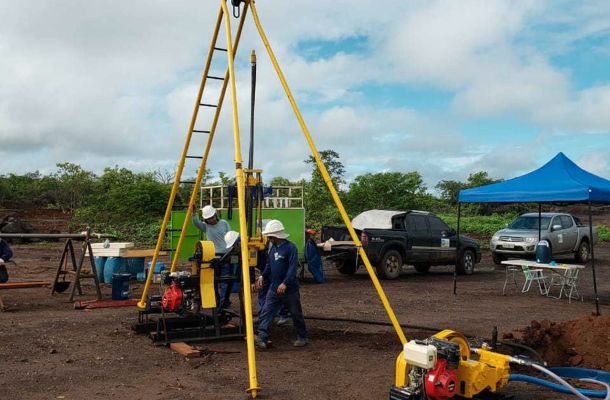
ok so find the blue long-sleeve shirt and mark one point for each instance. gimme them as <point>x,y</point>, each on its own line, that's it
<point>281,267</point>
<point>5,251</point>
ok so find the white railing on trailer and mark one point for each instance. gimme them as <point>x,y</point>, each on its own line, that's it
<point>281,197</point>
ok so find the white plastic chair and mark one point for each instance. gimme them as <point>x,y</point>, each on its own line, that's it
<point>532,275</point>
<point>567,282</point>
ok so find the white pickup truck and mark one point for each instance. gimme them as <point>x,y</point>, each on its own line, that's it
<point>564,232</point>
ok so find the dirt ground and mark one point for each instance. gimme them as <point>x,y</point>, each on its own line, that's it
<point>48,350</point>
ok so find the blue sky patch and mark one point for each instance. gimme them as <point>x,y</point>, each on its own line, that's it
<point>318,49</point>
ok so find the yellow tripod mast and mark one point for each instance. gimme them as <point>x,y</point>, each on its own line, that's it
<point>229,79</point>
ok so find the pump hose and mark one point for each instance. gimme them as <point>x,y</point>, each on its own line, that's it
<point>369,322</point>
<point>557,387</point>
<point>417,327</point>
<point>560,380</point>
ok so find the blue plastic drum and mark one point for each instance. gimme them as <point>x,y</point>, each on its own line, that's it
<point>135,266</point>
<point>100,262</point>
<point>114,265</point>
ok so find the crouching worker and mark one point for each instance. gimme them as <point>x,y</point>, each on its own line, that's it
<point>5,255</point>
<point>281,273</point>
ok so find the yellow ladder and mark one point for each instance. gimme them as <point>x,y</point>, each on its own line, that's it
<point>241,7</point>
<point>214,50</point>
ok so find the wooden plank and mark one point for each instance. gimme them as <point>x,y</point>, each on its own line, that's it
<point>105,252</point>
<point>184,349</point>
<point>114,245</point>
<point>329,244</point>
<point>24,285</point>
<point>126,252</point>
<point>140,253</point>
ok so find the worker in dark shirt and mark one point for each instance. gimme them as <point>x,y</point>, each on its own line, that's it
<point>5,255</point>
<point>281,274</point>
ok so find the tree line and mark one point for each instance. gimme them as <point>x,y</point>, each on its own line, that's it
<point>131,204</point>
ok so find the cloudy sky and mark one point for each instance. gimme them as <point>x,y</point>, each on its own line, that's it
<point>446,88</point>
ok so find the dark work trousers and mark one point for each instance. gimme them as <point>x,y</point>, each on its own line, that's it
<point>292,301</point>
<point>262,296</point>
<point>223,289</point>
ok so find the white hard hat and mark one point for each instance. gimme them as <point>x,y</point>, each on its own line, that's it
<point>208,212</point>
<point>230,238</point>
<point>275,228</point>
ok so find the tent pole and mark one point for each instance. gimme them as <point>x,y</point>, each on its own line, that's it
<point>457,250</point>
<point>539,222</point>
<point>593,258</point>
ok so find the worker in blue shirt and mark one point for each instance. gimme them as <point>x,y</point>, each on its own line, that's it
<point>281,272</point>
<point>5,255</point>
<point>284,318</point>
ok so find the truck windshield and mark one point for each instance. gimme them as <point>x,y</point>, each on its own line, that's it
<point>529,223</point>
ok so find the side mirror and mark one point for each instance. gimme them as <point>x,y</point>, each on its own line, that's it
<point>556,228</point>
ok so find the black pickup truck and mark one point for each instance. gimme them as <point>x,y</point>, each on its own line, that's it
<point>415,238</point>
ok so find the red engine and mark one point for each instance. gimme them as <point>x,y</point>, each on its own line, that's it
<point>172,298</point>
<point>441,382</point>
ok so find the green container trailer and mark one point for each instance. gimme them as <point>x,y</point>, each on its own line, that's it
<point>284,203</point>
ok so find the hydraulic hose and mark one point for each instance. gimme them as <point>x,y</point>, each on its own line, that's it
<point>557,387</point>
<point>369,322</point>
<point>560,380</point>
<point>553,375</point>
<point>418,327</point>
<point>604,384</point>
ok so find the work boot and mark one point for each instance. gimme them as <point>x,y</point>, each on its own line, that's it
<point>260,343</point>
<point>301,342</point>
<point>282,321</point>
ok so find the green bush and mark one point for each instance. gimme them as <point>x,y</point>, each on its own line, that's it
<point>482,225</point>
<point>603,233</point>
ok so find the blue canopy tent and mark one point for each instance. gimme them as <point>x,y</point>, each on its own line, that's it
<point>558,181</point>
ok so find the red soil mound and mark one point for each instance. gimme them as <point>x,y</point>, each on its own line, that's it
<point>584,342</point>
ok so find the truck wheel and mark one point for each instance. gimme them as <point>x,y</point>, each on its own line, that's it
<point>497,258</point>
<point>466,263</point>
<point>582,254</point>
<point>346,267</point>
<point>390,265</point>
<point>422,269</point>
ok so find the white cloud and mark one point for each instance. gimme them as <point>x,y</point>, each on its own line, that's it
<point>596,163</point>
<point>101,83</point>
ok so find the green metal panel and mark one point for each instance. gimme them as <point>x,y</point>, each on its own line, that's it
<point>292,218</point>
<point>190,239</point>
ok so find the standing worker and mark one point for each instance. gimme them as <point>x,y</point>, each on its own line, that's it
<point>281,273</point>
<point>284,318</point>
<point>215,230</point>
<point>5,255</point>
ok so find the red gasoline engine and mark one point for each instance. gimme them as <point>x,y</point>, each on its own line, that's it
<point>181,294</point>
<point>172,298</point>
<point>433,370</point>
<point>441,382</point>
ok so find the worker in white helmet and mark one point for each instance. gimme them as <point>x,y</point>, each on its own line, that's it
<point>215,230</point>
<point>281,272</point>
